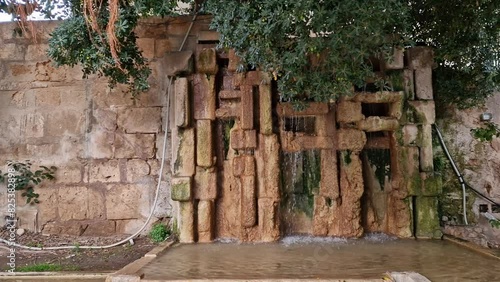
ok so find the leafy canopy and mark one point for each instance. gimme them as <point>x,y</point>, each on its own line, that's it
<point>466,39</point>
<point>318,49</point>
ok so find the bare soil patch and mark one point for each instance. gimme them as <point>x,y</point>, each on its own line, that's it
<point>76,258</point>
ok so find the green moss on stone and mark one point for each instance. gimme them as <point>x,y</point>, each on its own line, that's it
<point>178,160</point>
<point>433,185</point>
<point>346,156</point>
<point>399,136</point>
<point>427,217</point>
<point>408,114</point>
<point>227,125</point>
<point>414,185</point>
<point>301,176</point>
<point>312,171</point>
<point>450,199</point>
<point>207,61</point>
<point>181,191</point>
<point>395,79</point>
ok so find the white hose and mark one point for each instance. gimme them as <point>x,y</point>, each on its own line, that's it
<point>457,172</point>
<point>160,173</point>
<point>489,216</point>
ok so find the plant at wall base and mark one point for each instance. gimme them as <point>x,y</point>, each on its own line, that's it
<point>159,233</point>
<point>77,248</point>
<point>42,267</point>
<point>25,179</point>
<point>35,244</point>
<point>495,223</point>
<point>487,132</point>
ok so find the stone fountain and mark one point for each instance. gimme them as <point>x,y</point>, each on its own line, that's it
<point>249,167</point>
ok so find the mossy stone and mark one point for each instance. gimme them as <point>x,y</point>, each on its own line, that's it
<point>415,185</point>
<point>181,189</point>
<point>433,185</point>
<point>427,223</point>
<point>207,61</point>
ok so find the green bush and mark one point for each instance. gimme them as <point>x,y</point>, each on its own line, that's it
<point>159,233</point>
<point>495,223</point>
<point>42,267</point>
<point>487,132</point>
<point>23,178</point>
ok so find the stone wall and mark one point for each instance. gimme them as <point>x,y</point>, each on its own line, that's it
<point>106,146</point>
<point>480,164</point>
<point>365,161</point>
<point>246,166</point>
<point>376,169</point>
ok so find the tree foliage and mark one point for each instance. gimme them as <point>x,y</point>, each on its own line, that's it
<point>316,49</point>
<point>100,37</point>
<point>91,49</point>
<point>466,39</point>
<point>274,35</point>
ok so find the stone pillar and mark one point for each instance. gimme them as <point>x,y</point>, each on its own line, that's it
<point>265,107</point>
<point>204,143</point>
<point>347,221</point>
<point>427,221</point>
<point>244,170</point>
<point>206,214</point>
<point>329,185</point>
<point>254,159</point>
<point>420,60</point>
<point>205,183</point>
<point>186,222</point>
<point>183,152</point>
<point>268,173</point>
<point>182,166</point>
<point>204,96</point>
<point>247,110</point>
<point>182,102</point>
<point>416,184</point>
<point>248,201</point>
<point>205,179</point>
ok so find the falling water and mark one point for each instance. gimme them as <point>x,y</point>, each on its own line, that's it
<point>300,177</point>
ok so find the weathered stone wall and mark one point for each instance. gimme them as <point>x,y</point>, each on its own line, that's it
<point>246,166</point>
<point>376,162</point>
<point>480,164</point>
<point>106,146</point>
<point>229,137</point>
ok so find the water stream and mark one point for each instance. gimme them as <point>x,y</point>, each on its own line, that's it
<point>324,258</point>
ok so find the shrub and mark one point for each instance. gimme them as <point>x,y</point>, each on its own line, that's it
<point>159,233</point>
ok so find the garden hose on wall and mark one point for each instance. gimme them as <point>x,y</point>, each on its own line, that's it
<point>155,202</point>
<point>460,177</point>
<point>457,172</point>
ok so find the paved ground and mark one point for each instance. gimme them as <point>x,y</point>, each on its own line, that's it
<point>134,271</point>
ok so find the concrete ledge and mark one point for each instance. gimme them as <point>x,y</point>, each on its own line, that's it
<point>131,272</point>
<point>271,280</point>
<point>484,251</point>
<point>54,276</point>
<point>160,249</point>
